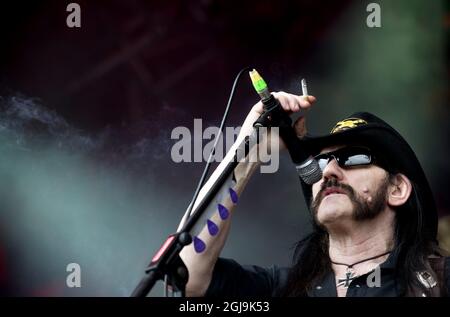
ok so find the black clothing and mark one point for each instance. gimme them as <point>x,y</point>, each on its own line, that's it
<point>231,279</point>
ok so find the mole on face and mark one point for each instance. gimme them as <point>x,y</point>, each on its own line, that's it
<point>366,191</point>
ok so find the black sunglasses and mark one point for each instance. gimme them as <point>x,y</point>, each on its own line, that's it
<point>346,157</point>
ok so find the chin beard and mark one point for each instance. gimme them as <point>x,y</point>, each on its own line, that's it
<point>362,209</point>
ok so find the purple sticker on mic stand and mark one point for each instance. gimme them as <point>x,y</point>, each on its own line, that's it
<point>234,196</point>
<point>223,212</point>
<point>199,245</point>
<point>212,228</point>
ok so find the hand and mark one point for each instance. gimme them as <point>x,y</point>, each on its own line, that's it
<point>291,103</point>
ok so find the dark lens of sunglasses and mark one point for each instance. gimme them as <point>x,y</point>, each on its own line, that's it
<point>322,162</point>
<point>346,157</point>
<point>356,159</point>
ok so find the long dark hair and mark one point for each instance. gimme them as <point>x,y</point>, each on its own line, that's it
<point>413,244</point>
<point>414,240</point>
<point>311,263</point>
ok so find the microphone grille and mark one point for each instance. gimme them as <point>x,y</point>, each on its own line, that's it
<point>309,171</point>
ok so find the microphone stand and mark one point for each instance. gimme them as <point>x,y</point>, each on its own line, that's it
<point>167,261</point>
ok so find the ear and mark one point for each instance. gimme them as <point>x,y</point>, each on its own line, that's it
<point>399,190</point>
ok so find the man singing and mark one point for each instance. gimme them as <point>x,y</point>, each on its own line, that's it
<point>373,215</point>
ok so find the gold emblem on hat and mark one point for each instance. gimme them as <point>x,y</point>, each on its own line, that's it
<point>348,123</point>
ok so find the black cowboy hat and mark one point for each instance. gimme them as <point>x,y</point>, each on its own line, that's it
<point>363,128</point>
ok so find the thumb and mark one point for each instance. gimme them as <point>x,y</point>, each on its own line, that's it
<point>300,127</point>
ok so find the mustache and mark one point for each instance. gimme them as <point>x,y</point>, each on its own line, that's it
<point>333,182</point>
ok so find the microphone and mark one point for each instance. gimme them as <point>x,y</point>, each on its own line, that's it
<point>307,167</point>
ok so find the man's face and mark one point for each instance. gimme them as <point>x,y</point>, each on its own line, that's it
<point>352,193</point>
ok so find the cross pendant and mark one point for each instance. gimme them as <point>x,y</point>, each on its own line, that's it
<point>349,277</point>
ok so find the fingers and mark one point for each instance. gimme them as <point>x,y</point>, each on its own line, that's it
<point>294,103</point>
<point>258,108</point>
<point>311,99</point>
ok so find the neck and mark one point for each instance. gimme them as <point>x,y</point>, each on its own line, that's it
<point>362,239</point>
